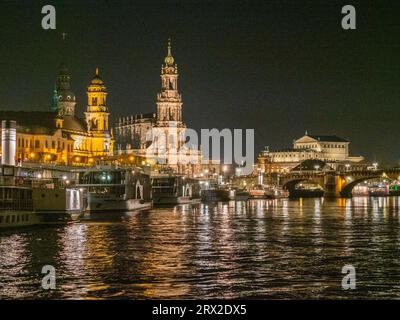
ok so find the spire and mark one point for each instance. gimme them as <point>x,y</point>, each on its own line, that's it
<point>169,59</point>
<point>97,80</point>
<point>169,47</point>
<point>63,47</point>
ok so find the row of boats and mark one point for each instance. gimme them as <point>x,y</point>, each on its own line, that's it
<point>29,200</point>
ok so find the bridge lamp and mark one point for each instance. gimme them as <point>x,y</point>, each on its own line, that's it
<point>316,167</point>
<point>347,166</point>
<point>375,164</point>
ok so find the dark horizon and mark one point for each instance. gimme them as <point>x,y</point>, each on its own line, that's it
<point>280,67</point>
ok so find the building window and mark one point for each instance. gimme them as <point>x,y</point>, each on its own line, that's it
<point>37,144</point>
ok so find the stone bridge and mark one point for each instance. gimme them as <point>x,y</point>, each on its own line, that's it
<point>335,183</point>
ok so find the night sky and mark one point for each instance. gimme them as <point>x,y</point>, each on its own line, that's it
<point>280,67</point>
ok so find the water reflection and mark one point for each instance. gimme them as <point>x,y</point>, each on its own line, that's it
<point>259,248</point>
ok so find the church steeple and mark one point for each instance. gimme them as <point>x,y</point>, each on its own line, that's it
<point>169,67</point>
<point>66,97</point>
<point>66,100</point>
<point>97,111</point>
<point>169,101</point>
<point>97,116</point>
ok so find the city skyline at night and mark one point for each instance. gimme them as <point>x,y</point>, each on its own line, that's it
<point>204,156</point>
<point>277,66</point>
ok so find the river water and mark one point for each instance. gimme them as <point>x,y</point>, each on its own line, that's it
<point>279,249</point>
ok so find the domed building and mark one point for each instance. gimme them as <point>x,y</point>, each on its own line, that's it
<point>92,136</point>
<point>59,136</point>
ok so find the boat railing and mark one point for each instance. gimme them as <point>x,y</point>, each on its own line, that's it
<point>15,181</point>
<point>16,204</point>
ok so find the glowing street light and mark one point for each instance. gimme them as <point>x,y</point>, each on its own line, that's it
<point>375,165</point>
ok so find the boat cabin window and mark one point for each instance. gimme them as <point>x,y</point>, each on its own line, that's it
<point>102,177</point>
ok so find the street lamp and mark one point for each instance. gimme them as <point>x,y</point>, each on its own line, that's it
<point>375,165</point>
<point>347,165</point>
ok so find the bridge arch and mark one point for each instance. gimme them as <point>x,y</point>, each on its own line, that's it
<point>348,188</point>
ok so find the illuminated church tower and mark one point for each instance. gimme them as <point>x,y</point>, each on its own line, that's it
<point>97,116</point>
<point>169,125</point>
<point>168,133</point>
<point>64,100</point>
<point>169,101</point>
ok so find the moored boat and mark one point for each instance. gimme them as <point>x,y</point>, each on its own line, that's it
<point>238,194</point>
<point>170,189</point>
<point>58,203</point>
<point>115,189</point>
<point>16,207</point>
<point>257,192</point>
<point>215,195</point>
<point>379,190</point>
<point>268,192</point>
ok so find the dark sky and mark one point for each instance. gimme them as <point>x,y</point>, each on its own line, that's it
<point>280,67</point>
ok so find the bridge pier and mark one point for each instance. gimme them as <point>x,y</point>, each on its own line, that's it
<point>332,186</point>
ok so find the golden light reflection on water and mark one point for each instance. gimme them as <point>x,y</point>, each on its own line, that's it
<point>260,248</point>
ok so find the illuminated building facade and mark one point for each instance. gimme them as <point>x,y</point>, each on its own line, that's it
<point>59,136</point>
<point>332,150</point>
<point>160,136</point>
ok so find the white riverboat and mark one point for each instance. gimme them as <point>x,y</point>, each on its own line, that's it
<point>115,189</point>
<point>262,191</point>
<point>169,189</point>
<point>26,201</point>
